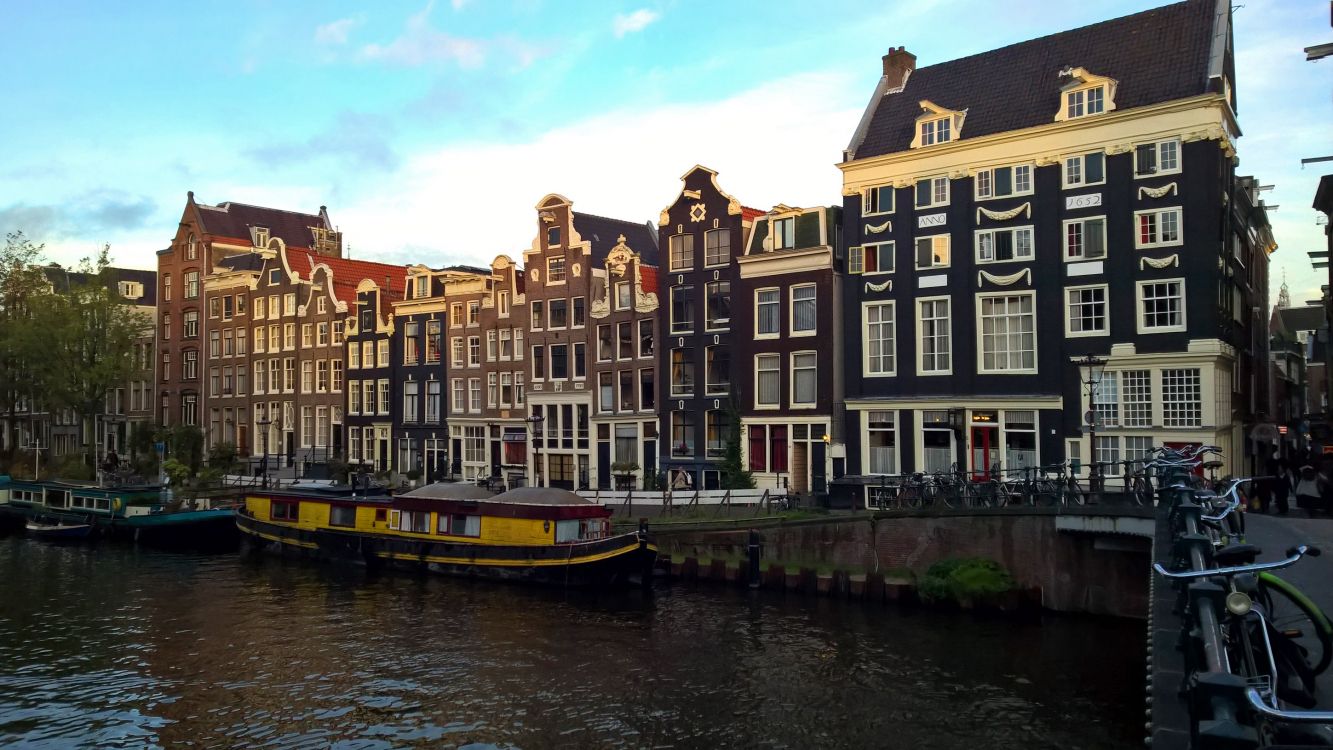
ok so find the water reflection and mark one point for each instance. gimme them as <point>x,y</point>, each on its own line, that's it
<point>118,647</point>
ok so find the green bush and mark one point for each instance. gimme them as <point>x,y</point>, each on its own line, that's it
<point>964,580</point>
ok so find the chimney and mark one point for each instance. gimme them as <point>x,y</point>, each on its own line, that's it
<point>898,64</point>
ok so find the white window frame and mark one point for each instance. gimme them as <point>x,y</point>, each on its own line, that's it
<point>1064,238</point>
<point>774,233</point>
<point>868,204</point>
<point>920,350</point>
<point>1179,211</point>
<point>778,301</point>
<point>564,270</point>
<point>986,178</point>
<point>777,371</point>
<point>1158,147</point>
<point>933,244</point>
<point>929,131</point>
<point>1066,183</point>
<point>1081,97</point>
<point>671,308</point>
<point>791,311</point>
<point>980,335</point>
<point>866,370</point>
<point>1015,232</point>
<point>791,374</point>
<point>1139,308</point>
<point>1069,311</point>
<point>935,201</point>
<point>856,258</point>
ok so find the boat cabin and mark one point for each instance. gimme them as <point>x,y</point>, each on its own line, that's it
<point>74,497</point>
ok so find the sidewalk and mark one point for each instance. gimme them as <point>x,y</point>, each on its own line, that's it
<point>1313,575</point>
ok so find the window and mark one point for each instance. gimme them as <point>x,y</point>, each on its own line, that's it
<point>803,310</point>
<point>456,351</point>
<point>559,313</point>
<point>682,309</point>
<point>166,288</point>
<point>882,442</point>
<point>191,327</point>
<point>166,326</point>
<point>1008,333</point>
<point>606,392</point>
<point>716,426</point>
<point>784,233</point>
<point>877,200</point>
<point>538,362</point>
<point>682,372</point>
<point>682,252</point>
<point>191,285</point>
<point>342,515</point>
<point>506,389</point>
<point>411,391</point>
<point>933,322</point>
<point>871,258</point>
<point>624,296</point>
<point>1106,401</point>
<point>354,397</point>
<point>1084,102</point>
<point>274,276</point>
<point>932,192</point>
<point>492,389</point>
<point>1182,398</point>
<point>214,344</point>
<point>460,394</point>
<point>804,378</point>
<point>717,247</point>
<point>457,524</point>
<point>682,433</point>
<point>506,344</point>
<point>307,426</point>
<point>289,303</point>
<point>433,334</point>
<point>880,343</point>
<point>241,336</point>
<point>580,313</point>
<point>1157,228</point>
<point>768,313</point>
<point>646,337</point>
<point>605,344</point>
<point>214,305</point>
<point>758,448</point>
<point>502,304</point>
<point>289,374</point>
<point>307,377</point>
<point>474,394</point>
<point>1161,306</point>
<point>999,245</point>
<point>647,391</point>
<point>382,353</point>
<point>273,309</point>
<point>553,237</point>
<point>717,370</point>
<point>1002,182</point>
<point>456,315</point>
<point>626,390</point>
<point>624,340</point>
<point>411,348</point>
<point>559,361</point>
<point>555,270</point>
<point>936,131</point>
<point>383,387</point>
<point>1158,158</point>
<point>491,345</point>
<point>1085,239</point>
<point>717,305</point>
<point>932,252</point>
<point>580,360</point>
<point>289,336</point>
<point>1085,311</point>
<point>1138,397</point>
<point>280,511</point>
<point>474,351</point>
<point>322,332</point>
<point>538,314</point>
<point>1085,169</point>
<point>768,380</point>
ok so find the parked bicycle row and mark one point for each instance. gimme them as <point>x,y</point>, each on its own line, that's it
<point>1254,644</point>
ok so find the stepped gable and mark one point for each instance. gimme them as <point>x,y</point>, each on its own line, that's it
<point>1155,56</point>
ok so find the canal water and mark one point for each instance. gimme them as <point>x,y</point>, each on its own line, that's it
<point>117,647</point>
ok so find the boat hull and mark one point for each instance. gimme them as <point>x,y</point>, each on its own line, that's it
<point>205,530</point>
<point>59,533</point>
<point>614,561</point>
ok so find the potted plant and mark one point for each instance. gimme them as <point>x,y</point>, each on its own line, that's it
<point>624,472</point>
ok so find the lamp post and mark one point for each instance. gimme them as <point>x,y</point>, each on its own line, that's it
<point>1091,367</point>
<point>263,426</point>
<point>535,422</point>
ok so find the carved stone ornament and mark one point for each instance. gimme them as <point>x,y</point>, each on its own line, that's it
<point>698,212</point>
<point>1025,209</point>
<point>619,258</point>
<point>886,285</point>
<point>533,274</point>
<point>1005,280</point>
<point>690,194</point>
<point>1118,148</point>
<point>877,228</point>
<point>576,270</point>
<point>547,217</point>
<point>1170,260</point>
<point>1047,160</point>
<point>733,207</point>
<point>664,218</point>
<point>600,308</point>
<point>1158,192</point>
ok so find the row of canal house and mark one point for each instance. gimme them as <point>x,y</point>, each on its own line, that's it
<point>1003,216</point>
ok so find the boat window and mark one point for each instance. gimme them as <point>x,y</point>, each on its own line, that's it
<point>57,498</point>
<point>415,521</point>
<point>567,531</point>
<point>381,515</point>
<point>460,525</point>
<point>280,511</point>
<point>342,515</point>
<point>102,503</point>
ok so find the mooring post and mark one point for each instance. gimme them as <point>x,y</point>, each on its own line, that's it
<point>754,550</point>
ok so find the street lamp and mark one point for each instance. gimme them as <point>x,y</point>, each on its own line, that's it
<point>1092,367</point>
<point>536,421</point>
<point>263,425</point>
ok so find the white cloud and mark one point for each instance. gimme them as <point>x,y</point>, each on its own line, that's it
<point>420,43</point>
<point>636,21</point>
<point>458,4</point>
<point>336,32</point>
<point>468,202</point>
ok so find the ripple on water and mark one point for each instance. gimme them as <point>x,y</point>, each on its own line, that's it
<point>116,647</point>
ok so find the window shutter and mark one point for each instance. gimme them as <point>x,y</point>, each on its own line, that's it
<point>1004,246</point>
<point>923,191</point>
<point>1004,182</point>
<point>1145,158</point>
<point>1092,239</point>
<point>1093,167</point>
<point>923,252</point>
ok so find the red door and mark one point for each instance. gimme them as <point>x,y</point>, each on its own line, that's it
<point>985,450</point>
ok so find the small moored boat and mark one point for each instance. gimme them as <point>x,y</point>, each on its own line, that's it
<point>532,534</point>
<point>59,532</point>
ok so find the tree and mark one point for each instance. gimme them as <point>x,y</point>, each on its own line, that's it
<point>90,332</point>
<point>22,282</point>
<point>733,474</point>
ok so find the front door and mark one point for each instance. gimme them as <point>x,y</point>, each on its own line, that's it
<point>985,450</point>
<point>818,475</point>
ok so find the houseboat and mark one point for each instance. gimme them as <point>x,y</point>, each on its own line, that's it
<point>134,512</point>
<point>530,534</point>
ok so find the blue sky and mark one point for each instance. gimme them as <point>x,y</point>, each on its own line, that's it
<point>430,130</point>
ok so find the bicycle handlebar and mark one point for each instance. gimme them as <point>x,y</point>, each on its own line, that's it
<point>1235,498</point>
<point>1293,556</point>
<point>1302,717</point>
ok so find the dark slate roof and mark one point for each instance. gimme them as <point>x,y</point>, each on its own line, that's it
<point>450,491</point>
<point>1156,56</point>
<point>243,262</point>
<point>1307,318</point>
<point>603,234</point>
<point>235,219</point>
<point>468,269</point>
<point>539,496</point>
<point>64,279</point>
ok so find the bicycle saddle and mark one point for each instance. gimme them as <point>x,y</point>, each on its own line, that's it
<point>1237,554</point>
<point>1212,464</point>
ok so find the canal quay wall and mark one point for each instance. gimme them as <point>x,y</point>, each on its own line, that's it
<point>880,556</point>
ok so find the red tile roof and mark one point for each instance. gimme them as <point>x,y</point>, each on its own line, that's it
<point>347,274</point>
<point>648,278</point>
<point>750,214</point>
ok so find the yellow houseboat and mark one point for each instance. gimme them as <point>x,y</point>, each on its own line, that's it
<point>535,534</point>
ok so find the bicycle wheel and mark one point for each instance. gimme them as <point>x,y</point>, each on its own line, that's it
<point>913,496</point>
<point>1074,494</point>
<point>1300,620</point>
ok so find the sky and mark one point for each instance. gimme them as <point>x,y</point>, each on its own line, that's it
<point>432,129</point>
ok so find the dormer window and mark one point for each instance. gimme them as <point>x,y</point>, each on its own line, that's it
<point>553,237</point>
<point>937,125</point>
<point>1084,94</point>
<point>784,233</point>
<point>130,289</point>
<point>260,236</point>
<point>191,250</point>
<point>422,287</point>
